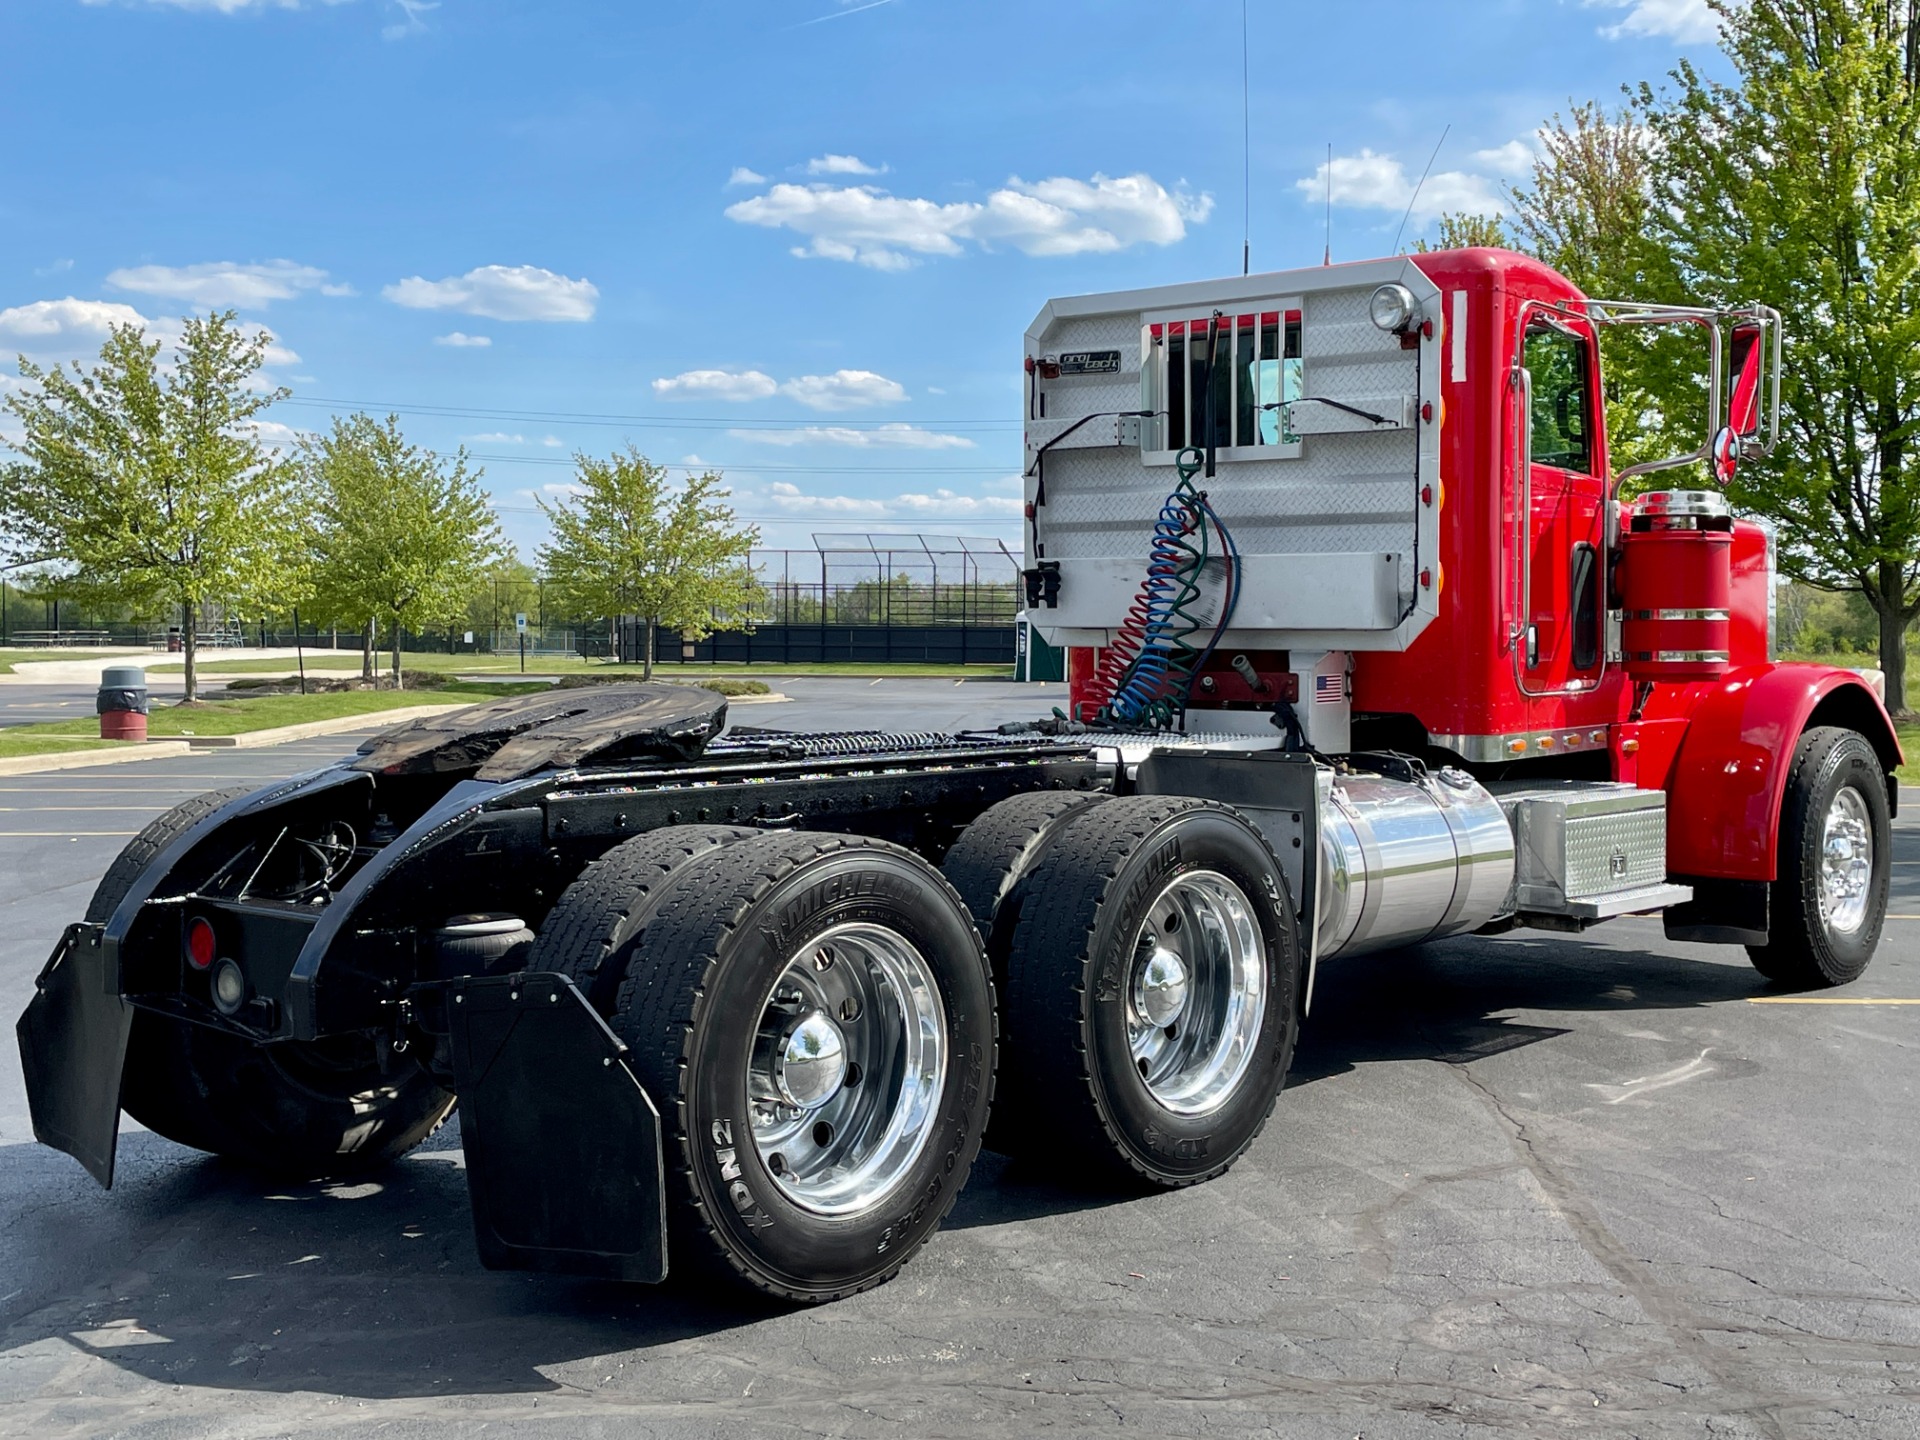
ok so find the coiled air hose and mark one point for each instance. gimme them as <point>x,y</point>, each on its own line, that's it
<point>1147,672</point>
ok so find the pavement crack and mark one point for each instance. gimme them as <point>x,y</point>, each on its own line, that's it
<point>1661,1305</point>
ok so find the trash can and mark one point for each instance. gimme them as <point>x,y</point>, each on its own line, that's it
<point>174,643</point>
<point>122,703</point>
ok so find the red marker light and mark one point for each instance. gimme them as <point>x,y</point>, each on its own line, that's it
<point>199,943</point>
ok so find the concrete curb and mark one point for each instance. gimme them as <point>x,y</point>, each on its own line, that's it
<point>84,759</point>
<point>313,729</point>
<point>774,699</point>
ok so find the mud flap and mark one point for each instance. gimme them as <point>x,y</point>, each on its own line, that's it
<point>562,1143</point>
<point>73,1045</point>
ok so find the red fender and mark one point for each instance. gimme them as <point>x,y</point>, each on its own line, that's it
<point>1727,782</point>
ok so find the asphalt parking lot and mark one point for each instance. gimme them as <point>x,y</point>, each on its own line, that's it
<point>1515,1186</point>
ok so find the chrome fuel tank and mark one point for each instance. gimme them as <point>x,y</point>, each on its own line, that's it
<point>1402,862</point>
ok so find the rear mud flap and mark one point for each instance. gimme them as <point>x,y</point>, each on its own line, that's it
<point>73,1045</point>
<point>562,1143</point>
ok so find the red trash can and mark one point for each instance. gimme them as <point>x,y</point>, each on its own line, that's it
<point>122,703</point>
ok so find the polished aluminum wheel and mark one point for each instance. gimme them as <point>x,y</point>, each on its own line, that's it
<point>1197,993</point>
<point>1846,862</point>
<point>849,1063</point>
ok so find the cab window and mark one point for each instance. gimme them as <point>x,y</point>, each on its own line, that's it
<point>1558,365</point>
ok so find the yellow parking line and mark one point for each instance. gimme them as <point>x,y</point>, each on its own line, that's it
<point>1826,1000</point>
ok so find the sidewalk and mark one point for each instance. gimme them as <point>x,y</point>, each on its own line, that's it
<point>72,669</point>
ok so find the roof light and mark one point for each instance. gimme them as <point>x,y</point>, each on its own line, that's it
<point>1391,308</point>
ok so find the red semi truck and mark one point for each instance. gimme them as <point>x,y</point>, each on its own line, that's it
<point>1368,648</point>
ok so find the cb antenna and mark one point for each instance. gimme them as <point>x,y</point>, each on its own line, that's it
<point>1327,259</point>
<point>1246,150</point>
<point>1414,199</point>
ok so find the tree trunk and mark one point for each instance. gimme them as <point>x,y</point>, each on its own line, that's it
<point>366,652</point>
<point>646,672</point>
<point>398,678</point>
<point>187,638</point>
<point>1893,635</point>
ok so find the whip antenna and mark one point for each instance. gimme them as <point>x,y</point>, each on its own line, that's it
<point>1246,150</point>
<point>1327,259</point>
<point>1414,199</point>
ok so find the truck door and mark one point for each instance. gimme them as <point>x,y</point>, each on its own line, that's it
<point>1562,624</point>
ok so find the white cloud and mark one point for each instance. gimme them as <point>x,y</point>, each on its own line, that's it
<point>273,434</point>
<point>895,436</point>
<point>46,326</point>
<point>869,226</point>
<point>844,390</point>
<point>460,340</point>
<point>495,437</point>
<point>731,386</point>
<point>223,7</point>
<point>1516,157</point>
<point>58,267</point>
<point>1381,182</point>
<point>1686,21</point>
<point>743,176</point>
<point>221,284</point>
<point>54,331</point>
<point>553,442</point>
<point>276,353</point>
<point>501,292</point>
<point>409,22</point>
<point>789,499</point>
<point>842,165</point>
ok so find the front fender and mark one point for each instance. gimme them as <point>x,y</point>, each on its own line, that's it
<point>1729,778</point>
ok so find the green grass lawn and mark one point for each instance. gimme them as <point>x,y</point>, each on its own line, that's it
<point>14,745</point>
<point>334,662</point>
<point>11,658</point>
<point>268,712</point>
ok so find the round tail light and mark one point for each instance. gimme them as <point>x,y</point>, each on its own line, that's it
<point>200,943</point>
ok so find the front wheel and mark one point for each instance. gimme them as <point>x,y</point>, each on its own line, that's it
<point>1829,899</point>
<point>814,1017</point>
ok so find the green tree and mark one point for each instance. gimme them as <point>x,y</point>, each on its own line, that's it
<point>630,544</point>
<point>1586,212</point>
<point>151,480</point>
<point>1462,232</point>
<point>1798,184</point>
<point>401,536</point>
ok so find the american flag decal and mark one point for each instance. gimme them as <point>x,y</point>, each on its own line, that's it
<point>1329,689</point>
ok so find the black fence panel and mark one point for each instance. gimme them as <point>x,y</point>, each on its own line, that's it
<point>819,644</point>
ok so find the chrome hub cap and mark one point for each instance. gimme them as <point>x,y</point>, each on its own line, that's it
<point>849,1063</point>
<point>1198,992</point>
<point>1160,988</point>
<point>1846,862</point>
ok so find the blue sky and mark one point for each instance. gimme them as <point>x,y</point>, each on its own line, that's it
<point>795,240</point>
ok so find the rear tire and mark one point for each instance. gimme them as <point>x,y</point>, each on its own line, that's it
<point>814,1017</point>
<point>600,922</point>
<point>304,1108</point>
<point>990,865</point>
<point>1154,975</point>
<point>1829,900</point>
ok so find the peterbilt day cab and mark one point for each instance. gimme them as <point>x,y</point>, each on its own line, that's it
<point>1369,645</point>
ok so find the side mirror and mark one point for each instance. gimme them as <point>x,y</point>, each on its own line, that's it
<point>1745,355</point>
